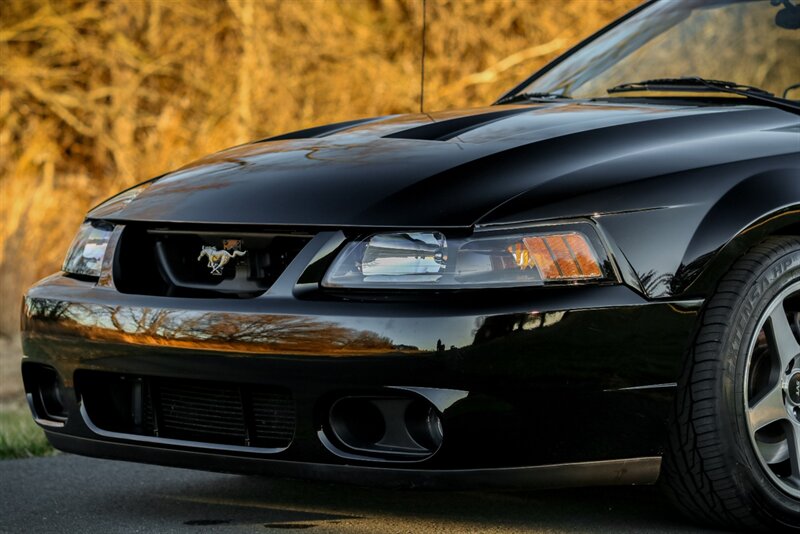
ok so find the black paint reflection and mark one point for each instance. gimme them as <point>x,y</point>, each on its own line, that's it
<point>222,331</point>
<point>604,348</point>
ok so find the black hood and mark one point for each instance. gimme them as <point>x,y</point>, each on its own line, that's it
<point>450,169</point>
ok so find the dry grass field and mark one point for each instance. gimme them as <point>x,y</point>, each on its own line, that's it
<point>97,95</point>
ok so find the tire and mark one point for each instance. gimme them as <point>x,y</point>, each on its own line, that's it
<point>733,456</point>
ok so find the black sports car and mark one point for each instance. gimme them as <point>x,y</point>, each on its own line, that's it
<point>596,280</point>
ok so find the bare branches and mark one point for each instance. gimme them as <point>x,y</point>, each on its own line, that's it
<point>491,74</point>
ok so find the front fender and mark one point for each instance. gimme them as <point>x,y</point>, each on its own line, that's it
<point>762,205</point>
<point>683,249</point>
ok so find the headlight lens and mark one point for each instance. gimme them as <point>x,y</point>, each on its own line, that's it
<point>85,256</point>
<point>537,256</point>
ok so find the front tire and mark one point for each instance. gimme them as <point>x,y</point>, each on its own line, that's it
<point>733,457</point>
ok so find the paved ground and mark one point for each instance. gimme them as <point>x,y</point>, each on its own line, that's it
<point>68,493</point>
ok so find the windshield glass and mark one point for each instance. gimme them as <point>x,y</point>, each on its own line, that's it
<point>744,41</point>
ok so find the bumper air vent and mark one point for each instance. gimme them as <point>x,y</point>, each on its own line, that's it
<point>245,415</point>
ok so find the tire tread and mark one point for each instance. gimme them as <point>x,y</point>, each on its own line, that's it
<point>695,472</point>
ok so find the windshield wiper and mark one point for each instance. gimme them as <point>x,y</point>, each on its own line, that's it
<point>536,97</point>
<point>695,83</point>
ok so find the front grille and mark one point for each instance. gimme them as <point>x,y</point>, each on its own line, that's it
<point>172,262</point>
<point>246,415</point>
<point>198,412</point>
<point>273,416</point>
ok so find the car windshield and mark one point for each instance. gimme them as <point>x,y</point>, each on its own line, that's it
<point>749,42</point>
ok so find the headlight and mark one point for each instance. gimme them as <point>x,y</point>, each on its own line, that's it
<point>570,253</point>
<point>85,256</point>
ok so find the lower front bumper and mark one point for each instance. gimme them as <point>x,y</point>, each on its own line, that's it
<point>606,473</point>
<point>560,379</point>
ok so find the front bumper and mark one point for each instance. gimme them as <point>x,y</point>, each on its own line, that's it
<point>581,376</point>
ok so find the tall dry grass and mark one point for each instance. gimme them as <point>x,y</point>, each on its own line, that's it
<point>96,95</point>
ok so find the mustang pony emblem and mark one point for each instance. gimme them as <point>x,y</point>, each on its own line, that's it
<point>217,259</point>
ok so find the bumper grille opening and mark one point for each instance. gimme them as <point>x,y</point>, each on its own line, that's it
<point>384,427</point>
<point>172,261</point>
<point>221,413</point>
<point>45,393</point>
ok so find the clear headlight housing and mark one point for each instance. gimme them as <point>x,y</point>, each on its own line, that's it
<point>85,255</point>
<point>563,254</point>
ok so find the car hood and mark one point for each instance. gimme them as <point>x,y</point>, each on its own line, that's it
<point>448,169</point>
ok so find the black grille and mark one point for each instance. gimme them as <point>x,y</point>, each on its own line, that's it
<point>210,412</point>
<point>199,412</point>
<point>170,262</point>
<point>273,416</point>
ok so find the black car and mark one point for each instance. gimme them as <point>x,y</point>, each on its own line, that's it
<point>596,280</point>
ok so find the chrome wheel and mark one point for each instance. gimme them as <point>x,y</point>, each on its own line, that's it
<point>772,390</point>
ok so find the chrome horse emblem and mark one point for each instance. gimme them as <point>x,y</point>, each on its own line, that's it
<point>217,259</point>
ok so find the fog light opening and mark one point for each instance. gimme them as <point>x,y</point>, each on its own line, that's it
<point>389,428</point>
<point>52,400</point>
<point>424,425</point>
<point>357,422</point>
<point>45,393</point>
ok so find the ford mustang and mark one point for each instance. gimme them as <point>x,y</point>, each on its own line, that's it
<point>595,280</point>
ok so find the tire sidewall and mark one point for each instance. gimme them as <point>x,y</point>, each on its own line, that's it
<point>766,498</point>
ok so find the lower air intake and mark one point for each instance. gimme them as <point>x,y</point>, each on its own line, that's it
<point>247,415</point>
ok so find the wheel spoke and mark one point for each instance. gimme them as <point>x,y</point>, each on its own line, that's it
<point>767,410</point>
<point>772,390</point>
<point>774,453</point>
<point>783,341</point>
<point>794,449</point>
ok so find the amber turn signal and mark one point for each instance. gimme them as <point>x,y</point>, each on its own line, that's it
<point>566,256</point>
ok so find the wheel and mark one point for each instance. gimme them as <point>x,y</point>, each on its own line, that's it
<point>733,457</point>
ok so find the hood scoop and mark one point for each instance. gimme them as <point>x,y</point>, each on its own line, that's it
<point>320,131</point>
<point>448,129</point>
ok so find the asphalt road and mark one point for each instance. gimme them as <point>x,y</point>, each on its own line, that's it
<point>68,493</point>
